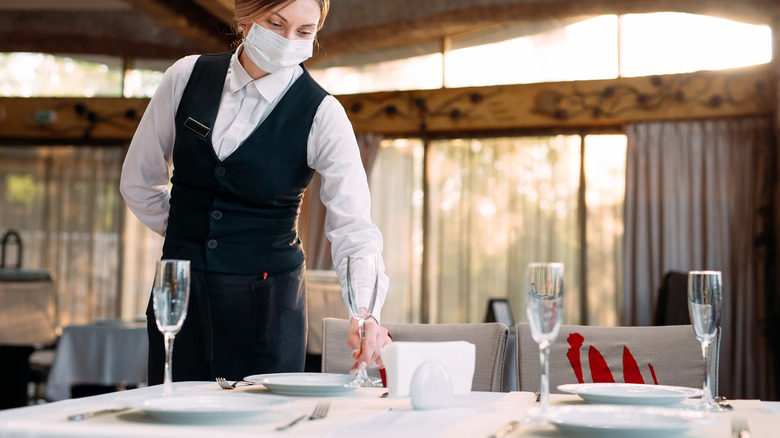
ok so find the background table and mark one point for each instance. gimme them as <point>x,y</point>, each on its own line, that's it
<point>28,307</point>
<point>109,353</point>
<point>28,320</point>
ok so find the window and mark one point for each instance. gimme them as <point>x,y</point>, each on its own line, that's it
<point>601,47</point>
<point>381,70</point>
<point>558,52</point>
<point>40,74</point>
<point>677,43</point>
<point>44,75</point>
<point>494,205</point>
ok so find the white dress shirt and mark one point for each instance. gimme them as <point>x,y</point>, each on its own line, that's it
<point>332,151</point>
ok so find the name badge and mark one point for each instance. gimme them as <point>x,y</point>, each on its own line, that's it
<point>197,127</point>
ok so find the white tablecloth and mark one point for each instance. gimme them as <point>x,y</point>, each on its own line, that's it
<point>109,353</point>
<point>477,414</point>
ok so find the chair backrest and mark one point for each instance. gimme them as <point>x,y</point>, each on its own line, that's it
<point>489,338</point>
<point>663,355</point>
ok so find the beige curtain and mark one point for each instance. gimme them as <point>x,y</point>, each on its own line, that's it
<point>697,197</point>
<point>312,219</point>
<point>65,203</point>
<point>494,205</point>
<point>397,203</point>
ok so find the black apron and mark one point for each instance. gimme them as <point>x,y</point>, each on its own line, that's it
<point>236,326</point>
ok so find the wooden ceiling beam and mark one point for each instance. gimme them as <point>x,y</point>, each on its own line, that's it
<point>124,33</point>
<point>188,20</point>
<point>449,111</point>
<point>224,10</point>
<point>573,104</point>
<point>62,43</point>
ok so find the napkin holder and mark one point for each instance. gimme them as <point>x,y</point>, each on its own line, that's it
<point>401,360</point>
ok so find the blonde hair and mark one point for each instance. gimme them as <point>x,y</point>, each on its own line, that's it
<point>249,10</point>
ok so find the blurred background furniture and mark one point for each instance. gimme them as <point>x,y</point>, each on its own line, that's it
<point>324,297</point>
<point>98,358</point>
<point>489,338</point>
<point>28,320</point>
<point>666,355</point>
<point>672,308</point>
<point>499,310</point>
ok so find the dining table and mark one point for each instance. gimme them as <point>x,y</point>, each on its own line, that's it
<point>109,352</point>
<point>361,412</point>
<point>28,321</point>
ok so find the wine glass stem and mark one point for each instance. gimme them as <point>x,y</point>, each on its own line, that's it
<point>168,377</point>
<point>706,398</point>
<point>544,389</point>
<point>363,375</point>
<point>712,368</point>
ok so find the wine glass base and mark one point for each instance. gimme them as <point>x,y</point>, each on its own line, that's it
<point>536,417</point>
<point>375,382</point>
<point>368,382</point>
<point>713,407</point>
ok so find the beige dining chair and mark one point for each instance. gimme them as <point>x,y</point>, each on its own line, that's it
<point>489,338</point>
<point>663,355</point>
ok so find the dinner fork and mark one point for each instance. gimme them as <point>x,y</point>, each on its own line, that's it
<point>320,411</point>
<point>739,427</point>
<point>224,384</point>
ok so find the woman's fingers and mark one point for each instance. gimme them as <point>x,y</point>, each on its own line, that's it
<point>376,338</point>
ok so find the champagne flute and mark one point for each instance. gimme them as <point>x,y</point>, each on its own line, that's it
<point>362,282</point>
<point>704,302</point>
<point>544,308</point>
<point>170,296</point>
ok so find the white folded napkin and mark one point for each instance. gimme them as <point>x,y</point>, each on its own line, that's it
<point>401,360</point>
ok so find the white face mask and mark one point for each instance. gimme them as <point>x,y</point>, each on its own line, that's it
<point>273,52</point>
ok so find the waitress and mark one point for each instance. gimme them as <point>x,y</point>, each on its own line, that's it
<point>245,131</point>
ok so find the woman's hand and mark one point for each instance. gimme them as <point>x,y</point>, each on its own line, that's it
<point>376,338</point>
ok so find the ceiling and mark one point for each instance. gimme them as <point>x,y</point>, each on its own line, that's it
<point>169,29</point>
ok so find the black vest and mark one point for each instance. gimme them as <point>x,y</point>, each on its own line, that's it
<point>239,215</point>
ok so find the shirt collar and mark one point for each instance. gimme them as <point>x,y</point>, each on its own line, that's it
<point>270,86</point>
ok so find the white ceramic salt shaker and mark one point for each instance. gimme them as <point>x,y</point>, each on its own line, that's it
<point>431,386</point>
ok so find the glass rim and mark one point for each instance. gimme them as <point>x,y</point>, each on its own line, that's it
<point>704,272</point>
<point>172,261</point>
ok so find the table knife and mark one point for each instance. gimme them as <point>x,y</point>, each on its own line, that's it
<point>506,429</point>
<point>85,415</point>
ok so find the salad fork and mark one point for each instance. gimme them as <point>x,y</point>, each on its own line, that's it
<point>320,411</point>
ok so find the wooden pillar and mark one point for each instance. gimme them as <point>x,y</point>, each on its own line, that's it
<point>773,259</point>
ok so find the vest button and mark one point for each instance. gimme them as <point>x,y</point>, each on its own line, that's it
<point>212,244</point>
<point>216,215</point>
<point>219,171</point>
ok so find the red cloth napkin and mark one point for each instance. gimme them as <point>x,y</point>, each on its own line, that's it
<point>382,372</point>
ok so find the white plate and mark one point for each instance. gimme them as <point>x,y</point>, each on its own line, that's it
<point>631,393</point>
<point>206,407</point>
<point>306,383</point>
<point>625,421</point>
